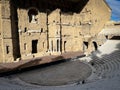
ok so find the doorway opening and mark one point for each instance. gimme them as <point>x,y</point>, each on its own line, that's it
<point>85,46</point>
<point>95,45</point>
<point>34,46</point>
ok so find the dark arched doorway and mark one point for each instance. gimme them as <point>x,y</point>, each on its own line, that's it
<point>85,46</point>
<point>95,45</point>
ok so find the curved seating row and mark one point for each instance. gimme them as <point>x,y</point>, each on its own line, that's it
<point>106,65</point>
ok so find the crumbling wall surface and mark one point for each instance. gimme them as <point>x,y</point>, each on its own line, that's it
<point>94,16</point>
<point>30,31</point>
<point>97,13</point>
<point>85,25</point>
<point>100,14</point>
<point>45,28</point>
<point>6,35</point>
<point>1,54</point>
<point>0,19</point>
<point>54,23</point>
<point>54,31</point>
<point>69,32</point>
<point>67,28</point>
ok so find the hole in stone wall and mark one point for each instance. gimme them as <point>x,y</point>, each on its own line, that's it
<point>25,30</point>
<point>106,36</point>
<point>7,49</point>
<point>41,29</point>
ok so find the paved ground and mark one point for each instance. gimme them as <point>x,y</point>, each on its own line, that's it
<point>58,74</point>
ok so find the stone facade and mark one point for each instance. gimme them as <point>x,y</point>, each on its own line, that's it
<point>34,28</point>
<point>111,30</point>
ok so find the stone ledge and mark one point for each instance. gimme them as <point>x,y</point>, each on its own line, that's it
<point>9,67</point>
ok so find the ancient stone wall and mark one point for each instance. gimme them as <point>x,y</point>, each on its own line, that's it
<point>1,54</point>
<point>94,15</point>
<point>54,30</point>
<point>30,31</point>
<point>6,35</point>
<point>39,28</point>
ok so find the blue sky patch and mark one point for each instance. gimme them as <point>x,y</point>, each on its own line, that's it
<point>115,6</point>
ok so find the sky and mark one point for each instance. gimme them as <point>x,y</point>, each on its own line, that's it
<point>115,6</point>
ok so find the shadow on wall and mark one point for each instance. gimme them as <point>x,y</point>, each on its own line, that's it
<point>44,5</point>
<point>115,38</point>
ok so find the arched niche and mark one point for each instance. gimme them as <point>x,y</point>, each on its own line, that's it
<point>32,14</point>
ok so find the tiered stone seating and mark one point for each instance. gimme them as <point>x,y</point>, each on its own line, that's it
<point>106,65</point>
